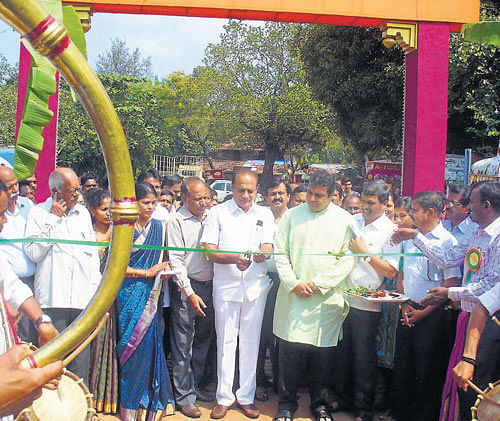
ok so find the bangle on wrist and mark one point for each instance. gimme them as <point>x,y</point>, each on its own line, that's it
<point>471,361</point>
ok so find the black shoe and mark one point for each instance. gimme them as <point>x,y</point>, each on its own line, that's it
<point>205,396</point>
<point>284,415</point>
<point>321,414</point>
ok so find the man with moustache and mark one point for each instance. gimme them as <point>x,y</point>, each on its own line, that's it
<point>458,221</point>
<point>352,203</point>
<point>191,307</point>
<point>481,251</point>
<point>66,275</point>
<point>240,288</point>
<point>357,367</point>
<point>277,196</point>
<point>309,309</point>
<point>422,338</point>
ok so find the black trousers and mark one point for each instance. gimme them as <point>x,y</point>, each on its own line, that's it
<point>61,319</point>
<point>356,371</point>
<point>420,368</point>
<point>293,357</point>
<point>487,365</point>
<point>190,339</point>
<point>267,338</point>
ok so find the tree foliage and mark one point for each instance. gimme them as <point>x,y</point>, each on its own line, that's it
<point>350,70</point>
<point>139,110</point>
<point>8,102</point>
<point>262,90</point>
<point>120,61</point>
<point>474,91</point>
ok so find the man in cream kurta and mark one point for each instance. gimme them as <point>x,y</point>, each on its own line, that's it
<point>309,309</point>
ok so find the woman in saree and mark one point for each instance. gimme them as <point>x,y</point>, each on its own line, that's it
<point>103,379</point>
<point>145,390</point>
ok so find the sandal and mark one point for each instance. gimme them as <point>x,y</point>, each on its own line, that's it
<point>284,415</point>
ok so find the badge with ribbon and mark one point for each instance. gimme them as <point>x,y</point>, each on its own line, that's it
<point>473,261</point>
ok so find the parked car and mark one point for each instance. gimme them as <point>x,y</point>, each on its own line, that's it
<point>222,187</point>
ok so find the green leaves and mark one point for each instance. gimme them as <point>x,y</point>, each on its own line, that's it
<point>483,32</point>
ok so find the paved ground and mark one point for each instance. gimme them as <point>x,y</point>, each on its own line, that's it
<point>268,409</point>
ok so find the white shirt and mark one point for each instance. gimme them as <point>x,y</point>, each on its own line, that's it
<point>15,228</point>
<point>491,299</point>
<point>421,274</point>
<point>15,293</point>
<point>376,235</point>
<point>66,276</point>
<point>230,228</point>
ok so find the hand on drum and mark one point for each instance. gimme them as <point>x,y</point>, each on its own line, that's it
<point>462,372</point>
<point>19,387</point>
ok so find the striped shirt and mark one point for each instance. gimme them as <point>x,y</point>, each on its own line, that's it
<point>487,240</point>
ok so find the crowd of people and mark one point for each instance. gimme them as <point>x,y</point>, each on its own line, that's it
<point>247,283</point>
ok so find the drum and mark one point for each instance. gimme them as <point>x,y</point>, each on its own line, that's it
<point>70,401</point>
<point>487,406</point>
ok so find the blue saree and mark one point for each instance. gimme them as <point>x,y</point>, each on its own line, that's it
<point>144,381</point>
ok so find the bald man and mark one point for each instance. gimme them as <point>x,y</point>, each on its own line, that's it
<point>240,288</point>
<point>66,275</point>
<point>191,308</point>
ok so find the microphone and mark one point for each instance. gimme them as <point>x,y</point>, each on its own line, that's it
<point>259,224</point>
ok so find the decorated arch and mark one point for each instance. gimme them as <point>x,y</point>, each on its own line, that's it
<point>420,27</point>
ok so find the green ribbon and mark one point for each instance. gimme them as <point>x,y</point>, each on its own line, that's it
<point>199,250</point>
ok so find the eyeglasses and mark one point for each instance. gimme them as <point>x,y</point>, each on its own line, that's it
<point>454,204</point>
<point>70,191</point>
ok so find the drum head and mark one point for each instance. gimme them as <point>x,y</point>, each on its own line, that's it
<point>484,410</point>
<point>70,401</point>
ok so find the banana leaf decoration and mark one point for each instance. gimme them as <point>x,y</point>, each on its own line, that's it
<point>41,85</point>
<point>484,32</point>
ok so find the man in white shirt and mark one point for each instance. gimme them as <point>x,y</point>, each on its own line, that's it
<point>191,307</point>
<point>240,288</point>
<point>357,351</point>
<point>19,296</point>
<point>17,213</point>
<point>67,275</point>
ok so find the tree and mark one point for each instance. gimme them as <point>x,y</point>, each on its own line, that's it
<point>136,102</point>
<point>262,92</point>
<point>351,71</point>
<point>8,73</point>
<point>474,91</point>
<point>8,102</point>
<point>120,61</point>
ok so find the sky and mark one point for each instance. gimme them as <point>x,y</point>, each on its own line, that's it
<point>174,43</point>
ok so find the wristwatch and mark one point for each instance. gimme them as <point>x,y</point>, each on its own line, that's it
<point>44,318</point>
<point>367,259</point>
